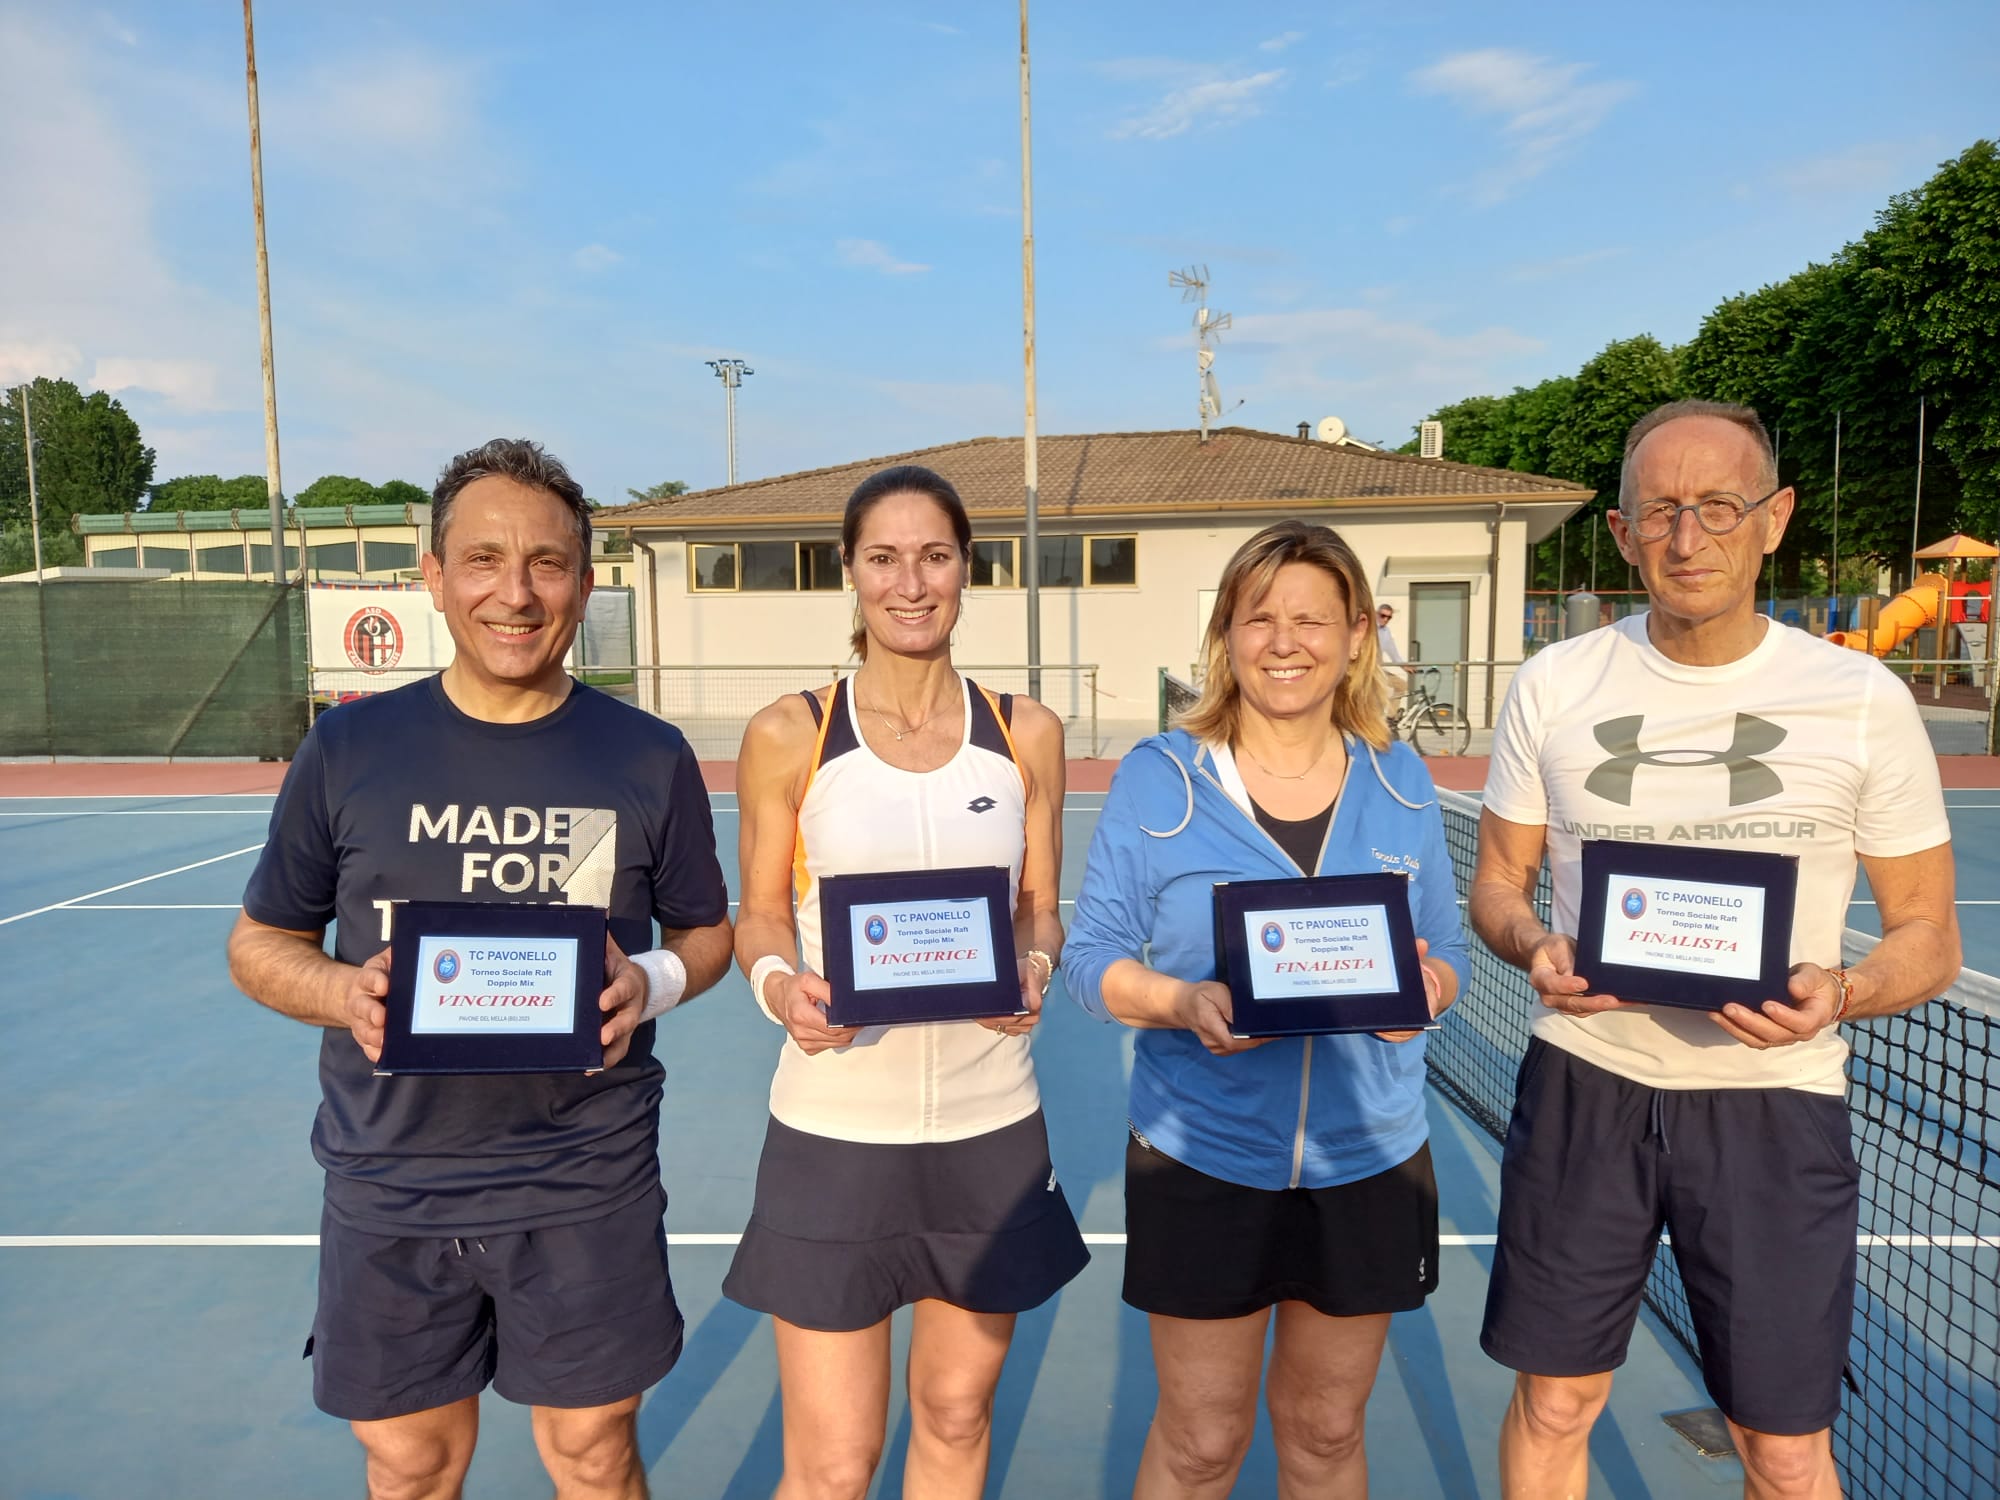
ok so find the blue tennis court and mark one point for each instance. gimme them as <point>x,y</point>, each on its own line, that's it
<point>158,1205</point>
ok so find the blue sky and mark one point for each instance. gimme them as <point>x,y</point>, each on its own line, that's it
<point>539,219</point>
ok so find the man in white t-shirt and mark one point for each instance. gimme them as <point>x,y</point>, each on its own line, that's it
<point>1699,725</point>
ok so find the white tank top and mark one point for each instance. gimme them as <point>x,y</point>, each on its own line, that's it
<point>935,1081</point>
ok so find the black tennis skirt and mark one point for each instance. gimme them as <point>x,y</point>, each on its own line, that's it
<point>845,1232</point>
<point>1200,1247</point>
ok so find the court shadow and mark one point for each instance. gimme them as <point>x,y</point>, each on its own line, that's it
<point>712,1346</point>
<point>1417,1355</point>
<point>763,1464</point>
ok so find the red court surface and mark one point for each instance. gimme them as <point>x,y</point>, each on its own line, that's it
<point>1465,773</point>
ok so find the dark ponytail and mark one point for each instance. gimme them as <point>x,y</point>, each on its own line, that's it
<point>903,479</point>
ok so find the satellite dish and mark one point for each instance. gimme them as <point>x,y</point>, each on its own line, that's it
<point>1331,429</point>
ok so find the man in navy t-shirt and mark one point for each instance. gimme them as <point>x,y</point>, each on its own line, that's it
<point>502,1228</point>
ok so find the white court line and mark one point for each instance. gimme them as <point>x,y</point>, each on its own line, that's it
<point>150,812</point>
<point>127,885</point>
<point>180,1241</point>
<point>156,906</point>
<point>129,796</point>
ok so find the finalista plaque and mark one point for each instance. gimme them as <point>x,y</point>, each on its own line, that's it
<point>1666,924</point>
<point>1324,953</point>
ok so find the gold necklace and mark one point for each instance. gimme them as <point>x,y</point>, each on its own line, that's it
<point>1279,775</point>
<point>902,734</point>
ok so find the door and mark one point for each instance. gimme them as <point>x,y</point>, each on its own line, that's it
<point>1441,632</point>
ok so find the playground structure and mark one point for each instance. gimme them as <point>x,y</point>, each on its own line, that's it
<point>1918,607</point>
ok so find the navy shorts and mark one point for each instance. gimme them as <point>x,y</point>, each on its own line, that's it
<point>1757,1187</point>
<point>571,1315</point>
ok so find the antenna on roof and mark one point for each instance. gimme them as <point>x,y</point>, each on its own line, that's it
<point>1193,284</point>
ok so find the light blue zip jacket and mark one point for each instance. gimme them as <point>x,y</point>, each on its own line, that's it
<point>1298,1111</point>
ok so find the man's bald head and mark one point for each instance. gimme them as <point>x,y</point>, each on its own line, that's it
<point>1742,417</point>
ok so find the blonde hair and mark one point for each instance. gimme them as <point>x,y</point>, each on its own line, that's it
<point>1360,702</point>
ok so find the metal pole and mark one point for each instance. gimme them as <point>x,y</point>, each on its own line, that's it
<point>729,410</point>
<point>1917,510</point>
<point>274,483</point>
<point>1832,622</point>
<point>1031,478</point>
<point>34,504</point>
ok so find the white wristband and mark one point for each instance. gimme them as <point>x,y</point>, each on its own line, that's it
<point>666,981</point>
<point>762,970</point>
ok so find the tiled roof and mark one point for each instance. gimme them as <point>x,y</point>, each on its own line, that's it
<point>1124,472</point>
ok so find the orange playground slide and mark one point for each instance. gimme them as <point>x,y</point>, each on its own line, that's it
<point>1902,617</point>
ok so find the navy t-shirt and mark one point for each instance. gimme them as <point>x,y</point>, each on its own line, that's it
<point>401,797</point>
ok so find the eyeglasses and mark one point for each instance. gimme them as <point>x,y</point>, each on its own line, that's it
<point>1719,514</point>
<point>1385,614</point>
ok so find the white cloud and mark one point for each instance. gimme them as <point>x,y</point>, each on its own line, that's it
<point>1545,107</point>
<point>29,359</point>
<point>593,258</point>
<point>1871,169</point>
<point>1211,101</point>
<point>1563,265</point>
<point>185,384</point>
<point>116,29</point>
<point>1280,42</point>
<point>873,255</point>
<point>1371,366</point>
<point>940,28</point>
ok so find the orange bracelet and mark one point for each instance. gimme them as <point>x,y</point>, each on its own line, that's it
<point>1846,992</point>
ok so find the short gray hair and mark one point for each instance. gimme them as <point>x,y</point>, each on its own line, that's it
<point>1725,411</point>
<point>517,459</point>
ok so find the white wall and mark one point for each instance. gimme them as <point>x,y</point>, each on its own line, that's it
<point>1129,632</point>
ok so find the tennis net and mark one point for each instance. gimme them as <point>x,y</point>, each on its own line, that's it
<point>1923,1415</point>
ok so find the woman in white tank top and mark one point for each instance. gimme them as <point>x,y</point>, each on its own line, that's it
<point>904,1165</point>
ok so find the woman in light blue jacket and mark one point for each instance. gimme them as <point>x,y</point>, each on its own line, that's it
<point>1293,1173</point>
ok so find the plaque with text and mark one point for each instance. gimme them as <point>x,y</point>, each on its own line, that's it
<point>487,987</point>
<point>1322,953</point>
<point>929,945</point>
<point>1699,928</point>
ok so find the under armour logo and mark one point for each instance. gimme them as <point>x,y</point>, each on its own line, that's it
<point>1750,780</point>
<point>981,804</point>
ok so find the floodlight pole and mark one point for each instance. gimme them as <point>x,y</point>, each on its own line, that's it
<point>730,372</point>
<point>34,504</point>
<point>274,484</point>
<point>1031,572</point>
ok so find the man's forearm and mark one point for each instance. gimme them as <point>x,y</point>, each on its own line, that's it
<point>1915,961</point>
<point>703,951</point>
<point>290,974</point>
<point>1506,923</point>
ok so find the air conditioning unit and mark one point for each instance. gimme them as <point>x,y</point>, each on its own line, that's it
<point>1430,440</point>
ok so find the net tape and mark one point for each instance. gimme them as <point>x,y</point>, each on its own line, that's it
<point>1923,1417</point>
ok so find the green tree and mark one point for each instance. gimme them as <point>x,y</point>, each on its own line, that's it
<point>401,492</point>
<point>210,492</point>
<point>336,489</point>
<point>666,489</point>
<point>89,457</point>
<point>1935,259</point>
<point>1615,387</point>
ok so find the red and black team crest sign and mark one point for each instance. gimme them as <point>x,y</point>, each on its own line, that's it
<point>373,639</point>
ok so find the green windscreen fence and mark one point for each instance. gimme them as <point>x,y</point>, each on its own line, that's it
<point>155,668</point>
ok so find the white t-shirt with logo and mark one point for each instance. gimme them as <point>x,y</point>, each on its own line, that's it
<point>1800,748</point>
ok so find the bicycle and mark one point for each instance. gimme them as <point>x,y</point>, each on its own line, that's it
<point>1429,723</point>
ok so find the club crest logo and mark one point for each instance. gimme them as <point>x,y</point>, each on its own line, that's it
<point>373,640</point>
<point>1272,937</point>
<point>445,966</point>
<point>875,930</point>
<point>1633,903</point>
